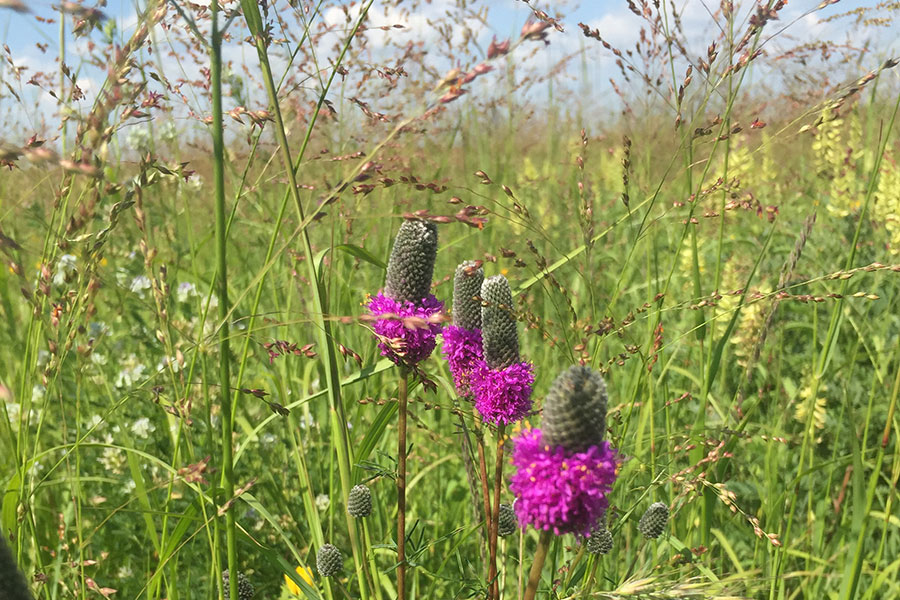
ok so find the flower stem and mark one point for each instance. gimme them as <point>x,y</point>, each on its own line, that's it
<point>534,577</point>
<point>495,515</point>
<point>485,491</point>
<point>468,461</point>
<point>401,487</point>
<point>224,308</point>
<point>590,581</point>
<point>373,568</point>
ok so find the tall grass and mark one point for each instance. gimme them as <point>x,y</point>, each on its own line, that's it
<point>188,386</point>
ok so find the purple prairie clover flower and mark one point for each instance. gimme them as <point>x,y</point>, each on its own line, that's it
<point>502,396</point>
<point>408,334</point>
<point>462,347</point>
<point>462,340</point>
<point>559,490</point>
<point>501,382</point>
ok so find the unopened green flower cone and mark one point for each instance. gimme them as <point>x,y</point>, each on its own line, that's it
<point>653,522</point>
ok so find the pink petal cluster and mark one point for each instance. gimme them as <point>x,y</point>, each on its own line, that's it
<point>560,490</point>
<point>504,395</point>
<point>462,347</point>
<point>411,343</point>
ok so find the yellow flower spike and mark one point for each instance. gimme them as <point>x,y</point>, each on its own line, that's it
<point>305,574</point>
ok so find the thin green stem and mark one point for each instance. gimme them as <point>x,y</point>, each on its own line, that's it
<point>485,490</point>
<point>227,415</point>
<point>401,486</point>
<point>320,300</point>
<point>495,514</point>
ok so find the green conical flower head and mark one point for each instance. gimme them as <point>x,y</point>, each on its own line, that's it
<point>245,588</point>
<point>359,504</point>
<point>500,339</point>
<point>466,286</point>
<point>411,264</point>
<point>329,561</point>
<point>653,523</point>
<point>12,582</point>
<point>600,542</point>
<point>575,410</point>
<point>508,523</point>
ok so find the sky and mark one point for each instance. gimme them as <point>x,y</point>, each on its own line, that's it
<point>22,33</point>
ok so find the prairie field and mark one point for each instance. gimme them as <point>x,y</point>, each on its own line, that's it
<point>698,202</point>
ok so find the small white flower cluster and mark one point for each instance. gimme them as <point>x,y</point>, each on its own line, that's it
<point>139,139</point>
<point>132,372</point>
<point>142,428</point>
<point>186,291</point>
<point>65,270</point>
<point>139,285</point>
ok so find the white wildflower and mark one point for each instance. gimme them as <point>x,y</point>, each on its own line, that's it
<point>186,290</point>
<point>65,268</point>
<point>131,373</point>
<point>143,428</point>
<point>140,284</point>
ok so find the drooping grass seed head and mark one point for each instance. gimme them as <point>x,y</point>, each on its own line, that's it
<point>575,410</point>
<point>500,338</point>
<point>507,522</point>
<point>466,288</point>
<point>653,522</point>
<point>411,265</point>
<point>600,542</point>
<point>12,582</point>
<point>329,560</point>
<point>245,588</point>
<point>359,503</point>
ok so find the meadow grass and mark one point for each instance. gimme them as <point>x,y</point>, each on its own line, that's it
<point>190,385</point>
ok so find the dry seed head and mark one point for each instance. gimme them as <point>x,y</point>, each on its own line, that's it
<point>498,323</point>
<point>466,288</point>
<point>411,265</point>
<point>575,410</point>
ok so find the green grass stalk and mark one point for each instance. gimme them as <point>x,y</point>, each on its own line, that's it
<point>495,515</point>
<point>320,302</point>
<point>227,416</point>
<point>401,484</point>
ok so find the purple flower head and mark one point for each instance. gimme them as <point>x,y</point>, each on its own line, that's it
<point>462,347</point>
<point>560,490</point>
<point>502,395</point>
<point>408,336</point>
